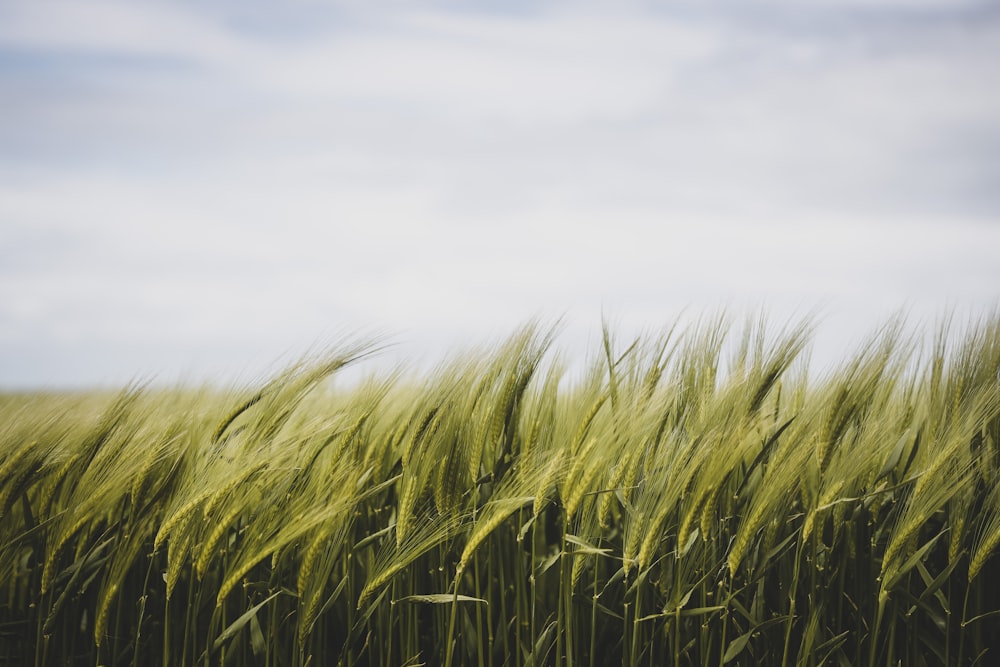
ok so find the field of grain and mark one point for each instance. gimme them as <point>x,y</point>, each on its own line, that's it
<point>691,498</point>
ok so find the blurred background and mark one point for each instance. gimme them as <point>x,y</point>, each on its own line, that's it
<point>201,191</point>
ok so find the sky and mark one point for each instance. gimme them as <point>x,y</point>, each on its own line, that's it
<point>200,191</point>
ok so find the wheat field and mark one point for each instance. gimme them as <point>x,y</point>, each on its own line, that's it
<point>694,497</point>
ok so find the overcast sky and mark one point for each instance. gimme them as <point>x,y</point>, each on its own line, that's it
<point>193,190</point>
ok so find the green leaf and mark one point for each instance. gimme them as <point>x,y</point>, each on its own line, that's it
<point>933,588</point>
<point>980,617</point>
<point>372,537</point>
<point>524,529</point>
<point>238,624</point>
<point>894,457</point>
<point>694,611</point>
<point>257,643</point>
<point>547,563</point>
<point>691,541</point>
<point>910,563</point>
<point>439,598</point>
<point>542,646</point>
<point>736,647</point>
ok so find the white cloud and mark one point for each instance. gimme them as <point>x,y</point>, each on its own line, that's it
<point>114,27</point>
<point>447,175</point>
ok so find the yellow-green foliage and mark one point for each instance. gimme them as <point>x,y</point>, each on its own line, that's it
<point>695,497</point>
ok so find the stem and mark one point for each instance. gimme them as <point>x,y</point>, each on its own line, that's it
<point>725,620</point>
<point>677,611</point>
<point>503,599</point>
<point>531,580</point>
<point>142,611</point>
<point>479,614</point>
<point>961,642</point>
<point>625,636</point>
<point>593,619</point>
<point>792,593</point>
<point>402,629</point>
<point>635,625</point>
<point>451,621</point>
<point>875,628</point>
<point>166,631</point>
